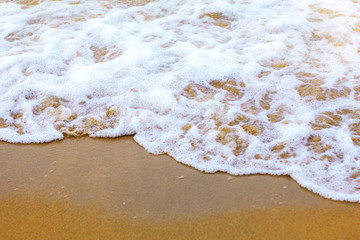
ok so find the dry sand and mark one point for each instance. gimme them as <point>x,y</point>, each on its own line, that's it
<point>83,188</point>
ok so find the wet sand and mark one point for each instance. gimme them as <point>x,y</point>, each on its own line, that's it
<point>84,188</point>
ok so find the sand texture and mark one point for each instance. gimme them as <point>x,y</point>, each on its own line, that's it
<point>84,188</point>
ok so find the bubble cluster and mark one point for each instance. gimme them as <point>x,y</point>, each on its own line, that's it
<point>245,87</point>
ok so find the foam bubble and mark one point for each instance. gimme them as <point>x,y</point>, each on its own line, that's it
<point>244,87</point>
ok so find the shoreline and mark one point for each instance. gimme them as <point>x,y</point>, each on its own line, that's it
<point>105,188</point>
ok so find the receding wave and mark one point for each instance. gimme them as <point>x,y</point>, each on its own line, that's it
<point>245,87</point>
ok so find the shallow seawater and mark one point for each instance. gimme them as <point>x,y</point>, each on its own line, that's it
<point>242,86</point>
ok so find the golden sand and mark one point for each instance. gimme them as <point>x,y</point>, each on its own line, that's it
<point>83,188</point>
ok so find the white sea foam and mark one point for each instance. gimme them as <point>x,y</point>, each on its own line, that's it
<point>238,86</point>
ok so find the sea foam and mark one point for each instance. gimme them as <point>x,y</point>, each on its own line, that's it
<point>244,87</point>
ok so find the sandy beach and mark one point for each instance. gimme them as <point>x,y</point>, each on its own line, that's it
<point>84,188</point>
